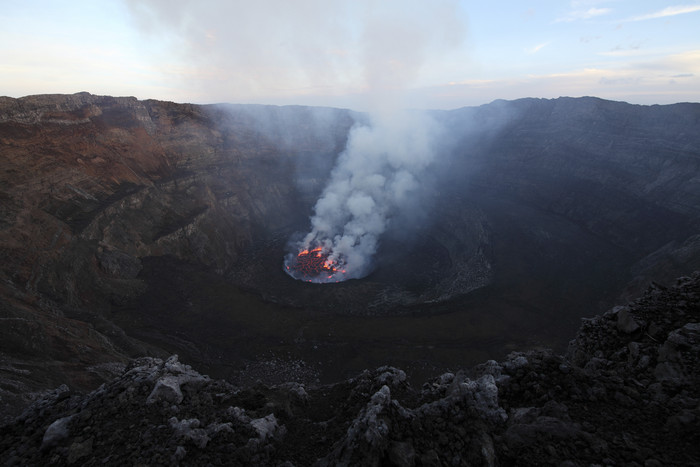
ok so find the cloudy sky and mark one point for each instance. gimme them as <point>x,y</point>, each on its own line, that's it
<point>349,53</point>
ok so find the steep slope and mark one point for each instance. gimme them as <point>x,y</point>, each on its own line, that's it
<point>626,174</point>
<point>93,184</point>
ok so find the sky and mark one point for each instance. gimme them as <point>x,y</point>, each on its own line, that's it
<point>438,54</point>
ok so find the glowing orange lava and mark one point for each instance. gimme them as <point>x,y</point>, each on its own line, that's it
<point>314,264</point>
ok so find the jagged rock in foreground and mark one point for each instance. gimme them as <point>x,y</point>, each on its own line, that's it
<point>626,393</point>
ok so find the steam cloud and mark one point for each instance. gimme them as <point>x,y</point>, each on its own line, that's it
<point>377,175</point>
<point>375,178</point>
<point>374,49</point>
<point>313,52</point>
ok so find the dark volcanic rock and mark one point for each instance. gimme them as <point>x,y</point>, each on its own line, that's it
<point>618,397</point>
<point>143,228</point>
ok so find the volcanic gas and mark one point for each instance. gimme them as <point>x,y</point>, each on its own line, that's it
<point>315,265</point>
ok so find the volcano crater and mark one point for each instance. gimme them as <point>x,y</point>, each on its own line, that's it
<point>433,264</point>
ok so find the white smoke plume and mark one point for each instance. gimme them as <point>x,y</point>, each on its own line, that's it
<point>312,52</point>
<point>375,178</point>
<point>378,174</point>
<point>374,49</point>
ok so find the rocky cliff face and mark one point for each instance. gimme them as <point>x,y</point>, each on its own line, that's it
<point>91,185</point>
<point>132,228</point>
<point>625,174</point>
<point>627,392</point>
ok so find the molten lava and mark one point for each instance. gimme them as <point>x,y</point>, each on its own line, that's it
<point>314,265</point>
